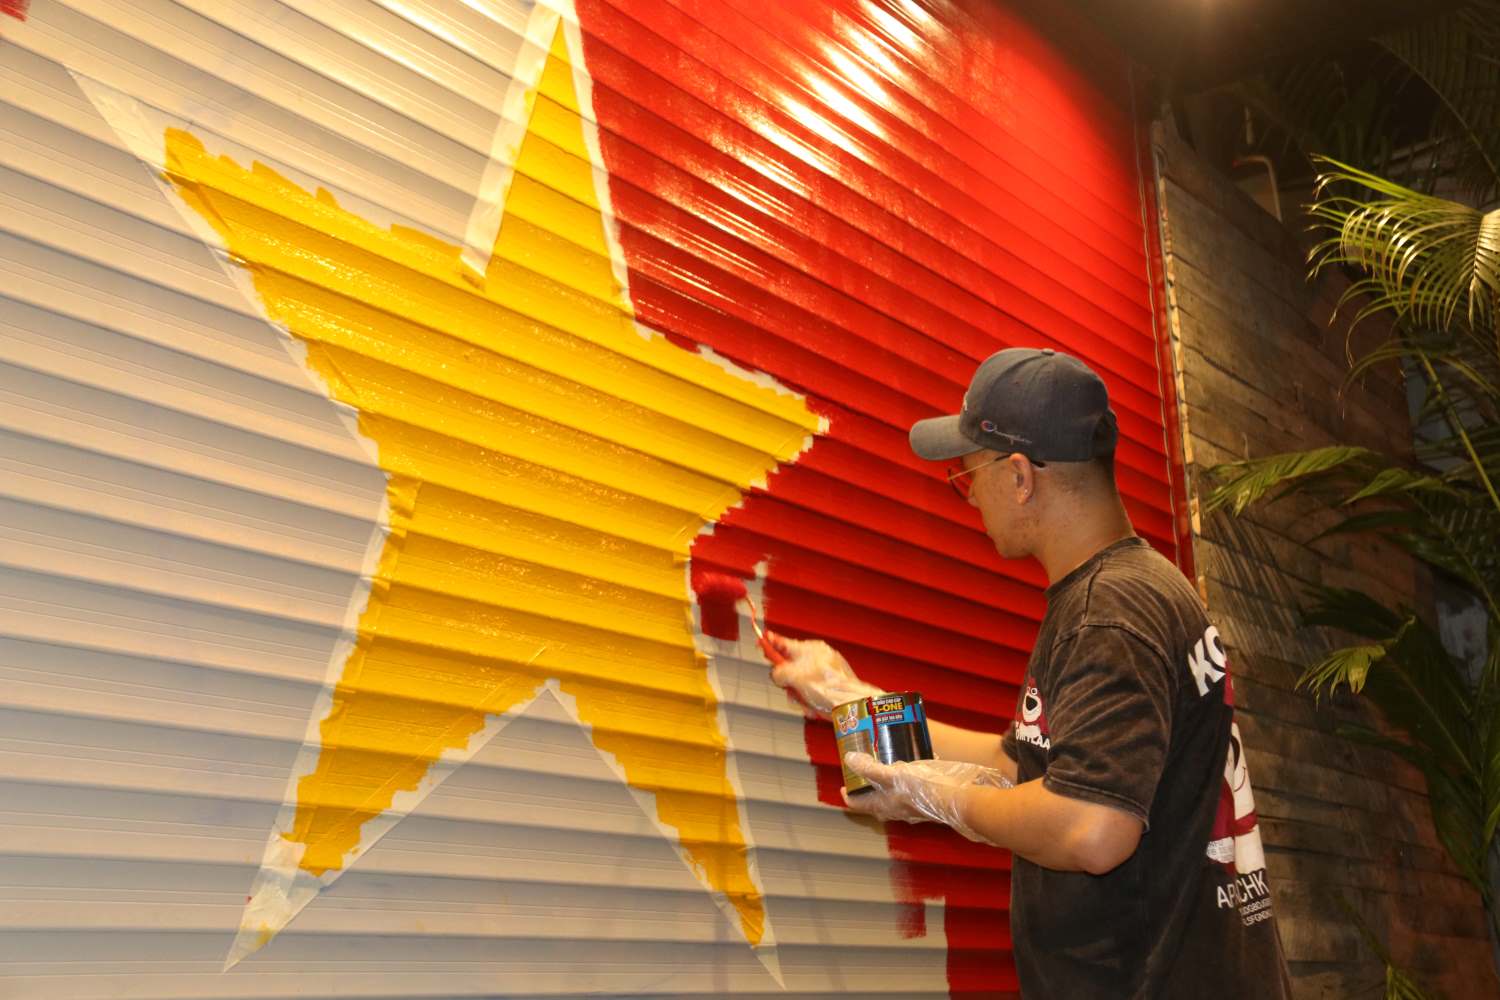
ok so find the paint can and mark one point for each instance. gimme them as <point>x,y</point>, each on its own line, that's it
<point>888,727</point>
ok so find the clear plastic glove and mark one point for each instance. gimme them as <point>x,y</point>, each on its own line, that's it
<point>817,675</point>
<point>921,790</point>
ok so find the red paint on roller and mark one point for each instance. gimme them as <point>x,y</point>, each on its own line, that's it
<point>717,596</point>
<point>15,8</point>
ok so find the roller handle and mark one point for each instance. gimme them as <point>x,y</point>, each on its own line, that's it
<point>776,656</point>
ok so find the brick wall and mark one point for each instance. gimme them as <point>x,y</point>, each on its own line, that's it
<point>1259,369</point>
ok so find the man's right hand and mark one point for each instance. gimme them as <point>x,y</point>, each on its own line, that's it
<point>816,675</point>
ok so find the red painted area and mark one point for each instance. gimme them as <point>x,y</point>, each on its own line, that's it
<point>927,867</point>
<point>15,8</point>
<point>864,198</point>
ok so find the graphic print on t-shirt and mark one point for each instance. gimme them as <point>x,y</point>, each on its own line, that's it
<point>1031,718</point>
<point>1235,841</point>
<point>1234,844</point>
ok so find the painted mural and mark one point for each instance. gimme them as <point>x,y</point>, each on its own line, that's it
<point>412,420</point>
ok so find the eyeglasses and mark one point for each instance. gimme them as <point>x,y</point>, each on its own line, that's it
<point>963,486</point>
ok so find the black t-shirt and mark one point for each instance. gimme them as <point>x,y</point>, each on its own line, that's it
<point>1127,702</point>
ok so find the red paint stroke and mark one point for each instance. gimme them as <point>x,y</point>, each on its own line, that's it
<point>15,8</point>
<point>935,864</point>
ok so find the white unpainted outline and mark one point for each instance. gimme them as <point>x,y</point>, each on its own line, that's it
<point>515,117</point>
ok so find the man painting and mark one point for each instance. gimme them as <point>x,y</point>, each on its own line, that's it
<point>1108,786</point>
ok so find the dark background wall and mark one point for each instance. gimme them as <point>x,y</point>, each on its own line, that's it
<point>1259,368</point>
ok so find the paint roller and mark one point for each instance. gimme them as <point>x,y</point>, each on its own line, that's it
<point>722,591</point>
<point>889,726</point>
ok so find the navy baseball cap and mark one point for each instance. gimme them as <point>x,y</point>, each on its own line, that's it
<point>1048,406</point>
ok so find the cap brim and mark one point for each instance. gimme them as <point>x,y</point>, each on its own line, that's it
<point>939,438</point>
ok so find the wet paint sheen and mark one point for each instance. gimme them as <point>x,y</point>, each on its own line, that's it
<point>548,469</point>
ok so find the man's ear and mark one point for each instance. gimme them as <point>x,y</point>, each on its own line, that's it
<point>1023,477</point>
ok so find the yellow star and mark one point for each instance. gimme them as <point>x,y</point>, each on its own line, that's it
<point>549,463</point>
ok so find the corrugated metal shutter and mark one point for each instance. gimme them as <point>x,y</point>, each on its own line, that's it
<point>373,377</point>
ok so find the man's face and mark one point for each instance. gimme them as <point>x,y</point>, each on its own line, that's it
<point>992,489</point>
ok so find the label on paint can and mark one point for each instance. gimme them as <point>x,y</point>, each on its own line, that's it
<point>888,727</point>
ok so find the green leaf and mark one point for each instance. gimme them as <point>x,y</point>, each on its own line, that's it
<point>1487,706</point>
<point>1317,106</point>
<point>1459,532</point>
<point>1399,985</point>
<point>1490,822</point>
<point>1248,481</point>
<point>1394,480</point>
<point>1404,670</point>
<point>1347,667</point>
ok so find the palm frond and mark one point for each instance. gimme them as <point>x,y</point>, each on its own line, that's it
<point>1348,667</point>
<point>1403,669</point>
<point>1490,774</point>
<point>1352,611</point>
<point>1460,353</point>
<point>1399,985</point>
<point>1431,261</point>
<point>1487,709</point>
<point>1458,56</point>
<point>1395,480</point>
<point>1247,481</point>
<point>1456,456</point>
<point>1459,534</point>
<point>1445,520</point>
<point>1487,716</point>
<point>1418,757</point>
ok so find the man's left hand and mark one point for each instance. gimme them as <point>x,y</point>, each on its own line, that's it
<point>918,791</point>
